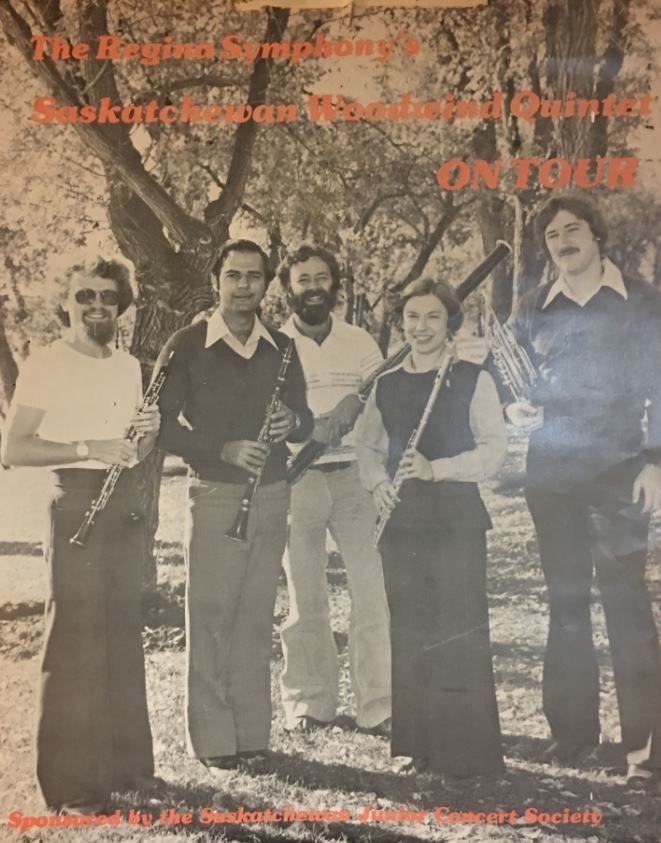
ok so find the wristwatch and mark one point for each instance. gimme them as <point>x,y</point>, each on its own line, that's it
<point>82,450</point>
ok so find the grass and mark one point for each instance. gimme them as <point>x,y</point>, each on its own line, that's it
<point>339,768</point>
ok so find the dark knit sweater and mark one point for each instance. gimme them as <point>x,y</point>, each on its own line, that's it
<point>599,376</point>
<point>213,395</point>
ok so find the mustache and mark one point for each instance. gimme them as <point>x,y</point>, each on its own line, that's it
<point>568,250</point>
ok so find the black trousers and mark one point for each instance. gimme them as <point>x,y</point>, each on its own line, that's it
<point>93,731</point>
<point>444,706</point>
<point>595,527</point>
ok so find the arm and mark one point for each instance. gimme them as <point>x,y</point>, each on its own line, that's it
<point>175,437</point>
<point>372,453</point>
<point>372,445</point>
<point>647,485</point>
<point>21,446</point>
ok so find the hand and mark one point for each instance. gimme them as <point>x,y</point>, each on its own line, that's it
<point>113,451</point>
<point>525,416</point>
<point>648,484</point>
<point>346,412</point>
<point>283,422</point>
<point>245,453</point>
<point>472,349</point>
<point>384,497</point>
<point>147,421</point>
<point>415,466</point>
<point>327,431</point>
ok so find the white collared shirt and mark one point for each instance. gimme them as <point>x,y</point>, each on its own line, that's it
<point>333,370</point>
<point>217,330</point>
<point>611,277</point>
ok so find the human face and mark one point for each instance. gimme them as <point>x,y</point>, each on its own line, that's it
<point>94,317</point>
<point>311,291</point>
<point>425,324</point>
<point>571,244</point>
<point>241,283</point>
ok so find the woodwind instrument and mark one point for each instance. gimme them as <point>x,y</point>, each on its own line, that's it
<point>99,503</point>
<point>238,532</point>
<point>414,440</point>
<point>312,450</point>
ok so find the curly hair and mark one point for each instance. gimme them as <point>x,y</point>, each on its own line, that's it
<point>303,253</point>
<point>100,267</point>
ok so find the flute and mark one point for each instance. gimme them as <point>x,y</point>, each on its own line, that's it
<point>99,503</point>
<point>414,440</point>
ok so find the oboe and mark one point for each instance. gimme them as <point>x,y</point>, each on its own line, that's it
<point>112,476</point>
<point>412,444</point>
<point>239,529</point>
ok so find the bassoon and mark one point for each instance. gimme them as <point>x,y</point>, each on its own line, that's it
<point>312,450</point>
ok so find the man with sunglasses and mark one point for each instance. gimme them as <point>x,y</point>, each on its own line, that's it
<point>73,403</point>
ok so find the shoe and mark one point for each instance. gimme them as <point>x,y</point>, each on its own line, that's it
<point>80,808</point>
<point>640,778</point>
<point>221,762</point>
<point>455,783</point>
<point>305,723</point>
<point>567,753</point>
<point>254,758</point>
<point>382,729</point>
<point>147,785</point>
<point>405,765</point>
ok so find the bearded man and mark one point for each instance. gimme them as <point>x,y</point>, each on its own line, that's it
<point>336,359</point>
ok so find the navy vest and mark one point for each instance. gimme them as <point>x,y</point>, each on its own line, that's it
<point>401,397</point>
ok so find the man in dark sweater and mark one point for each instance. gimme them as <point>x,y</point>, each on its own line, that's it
<point>220,381</point>
<point>593,478</point>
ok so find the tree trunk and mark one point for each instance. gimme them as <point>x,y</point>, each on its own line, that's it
<point>8,367</point>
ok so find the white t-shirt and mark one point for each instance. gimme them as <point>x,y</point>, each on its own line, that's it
<point>82,397</point>
<point>333,370</point>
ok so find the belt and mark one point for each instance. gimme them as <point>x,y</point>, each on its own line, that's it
<point>331,466</point>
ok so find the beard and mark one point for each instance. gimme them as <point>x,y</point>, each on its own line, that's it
<point>313,314</point>
<point>101,332</point>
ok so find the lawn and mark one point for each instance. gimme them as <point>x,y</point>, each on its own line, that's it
<point>339,769</point>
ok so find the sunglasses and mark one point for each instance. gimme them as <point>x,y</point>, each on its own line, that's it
<point>88,296</point>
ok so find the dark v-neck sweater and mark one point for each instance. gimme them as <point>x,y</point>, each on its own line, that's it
<point>213,395</point>
<point>599,381</point>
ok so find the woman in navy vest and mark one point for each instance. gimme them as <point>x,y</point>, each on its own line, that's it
<point>444,715</point>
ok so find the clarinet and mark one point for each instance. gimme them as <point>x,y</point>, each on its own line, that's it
<point>238,532</point>
<point>414,440</point>
<point>112,476</point>
<point>311,451</point>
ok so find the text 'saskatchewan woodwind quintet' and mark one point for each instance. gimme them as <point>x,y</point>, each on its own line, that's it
<point>296,591</point>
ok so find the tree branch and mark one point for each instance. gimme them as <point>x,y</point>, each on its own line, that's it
<point>182,228</point>
<point>219,213</point>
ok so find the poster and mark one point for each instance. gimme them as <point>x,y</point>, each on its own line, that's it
<point>406,140</point>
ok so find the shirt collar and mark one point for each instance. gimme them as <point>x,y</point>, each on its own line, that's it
<point>217,330</point>
<point>611,277</point>
<point>292,330</point>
